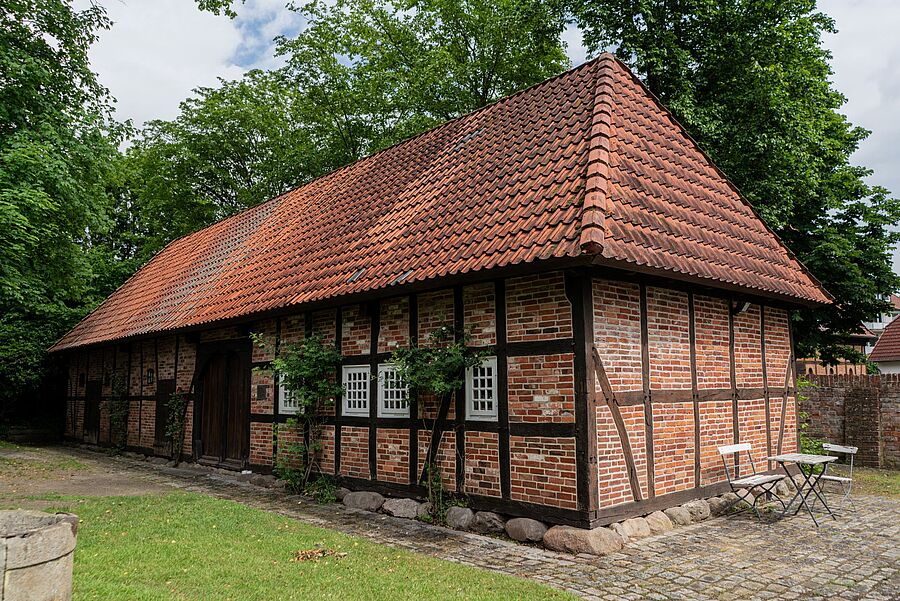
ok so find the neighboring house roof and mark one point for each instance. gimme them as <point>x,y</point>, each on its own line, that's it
<point>895,301</point>
<point>888,346</point>
<point>863,333</point>
<point>586,164</point>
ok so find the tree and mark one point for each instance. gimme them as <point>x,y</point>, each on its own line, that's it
<point>749,80</point>
<point>57,144</point>
<point>230,148</point>
<point>378,71</point>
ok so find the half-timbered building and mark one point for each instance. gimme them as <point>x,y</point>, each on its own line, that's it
<point>635,309</point>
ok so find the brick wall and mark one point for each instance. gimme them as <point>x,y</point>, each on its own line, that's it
<point>355,452</point>
<point>260,443</point>
<point>617,333</point>
<point>537,308</point>
<point>861,411</point>
<point>541,388</point>
<point>673,447</point>
<point>478,314</point>
<point>392,448</point>
<point>262,380</point>
<point>356,328</point>
<point>482,464</point>
<point>543,470</point>
<point>612,474</point>
<point>676,430</point>
<point>446,456</point>
<point>394,330</point>
<point>435,311</point>
<point>669,341</point>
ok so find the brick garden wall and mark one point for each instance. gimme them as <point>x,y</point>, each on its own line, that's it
<point>861,411</point>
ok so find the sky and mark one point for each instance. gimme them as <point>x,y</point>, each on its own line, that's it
<point>157,51</point>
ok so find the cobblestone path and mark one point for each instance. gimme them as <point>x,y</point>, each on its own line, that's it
<point>857,557</point>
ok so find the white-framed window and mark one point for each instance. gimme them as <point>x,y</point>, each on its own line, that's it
<point>287,404</point>
<point>481,391</point>
<point>393,393</point>
<point>355,401</point>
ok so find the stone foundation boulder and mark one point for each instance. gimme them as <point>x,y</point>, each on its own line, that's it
<point>363,499</point>
<point>424,510</point>
<point>598,541</point>
<point>401,508</point>
<point>460,518</point>
<point>525,530</point>
<point>679,515</point>
<point>632,529</point>
<point>698,509</point>
<point>717,506</point>
<point>659,522</point>
<point>488,522</point>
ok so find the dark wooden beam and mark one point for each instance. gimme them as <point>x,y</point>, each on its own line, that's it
<point>695,397</point>
<point>413,395</point>
<point>578,292</point>
<point>502,386</point>
<point>460,414</point>
<point>648,406</point>
<point>732,371</point>
<point>765,378</point>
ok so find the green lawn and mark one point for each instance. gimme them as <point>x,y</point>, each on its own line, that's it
<point>869,481</point>
<point>189,546</point>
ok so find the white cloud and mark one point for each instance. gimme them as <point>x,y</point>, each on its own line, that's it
<point>157,51</point>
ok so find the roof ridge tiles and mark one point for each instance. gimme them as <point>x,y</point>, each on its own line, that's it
<point>596,208</point>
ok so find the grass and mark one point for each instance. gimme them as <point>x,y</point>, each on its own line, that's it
<point>189,546</point>
<point>870,481</point>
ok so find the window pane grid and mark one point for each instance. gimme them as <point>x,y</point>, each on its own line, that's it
<point>393,394</point>
<point>356,391</point>
<point>481,384</point>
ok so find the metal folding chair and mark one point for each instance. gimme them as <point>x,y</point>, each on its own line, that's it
<point>846,482</point>
<point>765,482</point>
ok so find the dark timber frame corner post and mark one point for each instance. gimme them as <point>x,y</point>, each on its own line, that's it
<point>580,295</point>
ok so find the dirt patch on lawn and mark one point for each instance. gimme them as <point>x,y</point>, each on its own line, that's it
<point>36,477</point>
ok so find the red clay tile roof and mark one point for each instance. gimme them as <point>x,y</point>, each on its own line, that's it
<point>585,164</point>
<point>888,346</point>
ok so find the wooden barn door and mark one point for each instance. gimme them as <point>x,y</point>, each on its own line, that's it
<point>92,394</point>
<point>224,395</point>
<point>161,444</point>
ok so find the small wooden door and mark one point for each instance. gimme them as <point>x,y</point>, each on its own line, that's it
<point>164,390</point>
<point>224,395</point>
<point>92,393</point>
